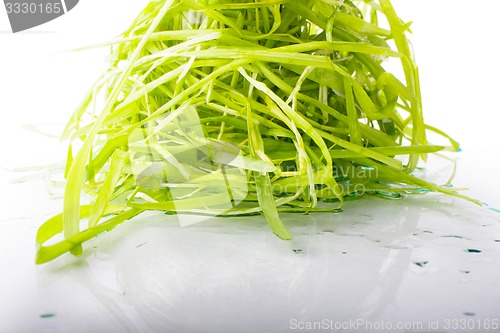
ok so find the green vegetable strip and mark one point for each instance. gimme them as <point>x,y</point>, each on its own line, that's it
<point>106,191</point>
<point>398,33</point>
<point>55,225</point>
<point>352,114</point>
<point>71,215</point>
<point>263,183</point>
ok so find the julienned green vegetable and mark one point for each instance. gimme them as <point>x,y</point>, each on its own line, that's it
<point>234,107</point>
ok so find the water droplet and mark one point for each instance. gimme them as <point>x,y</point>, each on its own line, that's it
<point>420,263</point>
<point>47,315</point>
<point>354,195</point>
<point>388,195</point>
<point>419,191</point>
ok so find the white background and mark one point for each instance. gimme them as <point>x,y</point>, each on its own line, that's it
<point>176,281</point>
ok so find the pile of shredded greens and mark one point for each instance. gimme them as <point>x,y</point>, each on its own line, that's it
<point>239,107</point>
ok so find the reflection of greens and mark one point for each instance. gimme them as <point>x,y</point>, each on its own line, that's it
<point>297,86</point>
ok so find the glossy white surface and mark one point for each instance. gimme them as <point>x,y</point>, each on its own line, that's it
<point>402,261</point>
<point>405,261</point>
